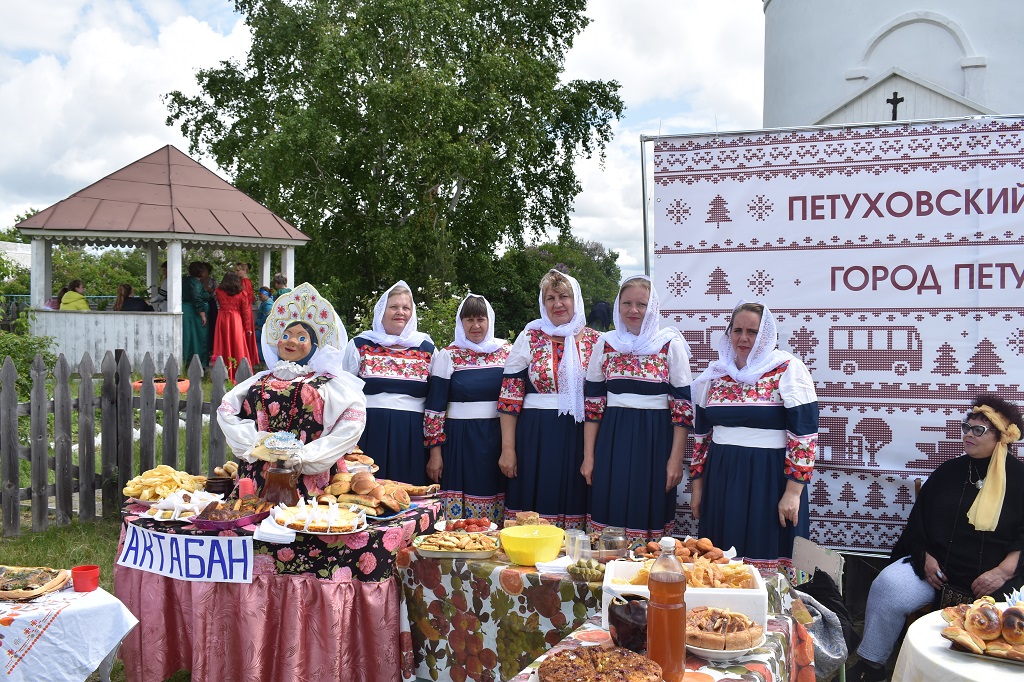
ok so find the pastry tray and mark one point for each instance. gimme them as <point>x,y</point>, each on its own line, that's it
<point>207,524</point>
<point>985,657</point>
<point>455,554</point>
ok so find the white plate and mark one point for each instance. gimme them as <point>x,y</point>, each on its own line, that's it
<point>441,525</point>
<point>722,655</point>
<point>439,554</point>
<point>360,529</point>
<point>154,513</point>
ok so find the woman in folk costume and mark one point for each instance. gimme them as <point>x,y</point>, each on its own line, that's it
<point>542,410</point>
<point>638,413</point>
<point>394,360</point>
<point>231,337</point>
<point>461,425</point>
<point>304,393</point>
<point>755,436</point>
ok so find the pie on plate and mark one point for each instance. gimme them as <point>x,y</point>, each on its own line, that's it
<point>721,630</point>
<point>596,664</point>
<point>28,582</point>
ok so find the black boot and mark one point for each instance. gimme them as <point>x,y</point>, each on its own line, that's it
<point>866,671</point>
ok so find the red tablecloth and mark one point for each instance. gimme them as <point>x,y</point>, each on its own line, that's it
<point>285,625</point>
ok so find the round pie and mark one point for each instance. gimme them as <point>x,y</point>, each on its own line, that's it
<point>596,664</point>
<point>721,629</point>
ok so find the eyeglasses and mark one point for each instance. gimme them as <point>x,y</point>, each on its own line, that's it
<point>977,429</point>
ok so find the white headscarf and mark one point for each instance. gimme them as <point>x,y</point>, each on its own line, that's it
<point>764,355</point>
<point>304,304</point>
<point>651,338</point>
<point>570,370</point>
<point>409,338</point>
<point>489,344</point>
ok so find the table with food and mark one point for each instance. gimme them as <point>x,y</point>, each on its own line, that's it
<point>242,585</point>
<point>970,641</point>
<point>489,604</point>
<point>42,621</point>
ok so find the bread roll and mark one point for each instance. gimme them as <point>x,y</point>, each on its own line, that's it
<point>363,482</point>
<point>377,492</point>
<point>390,503</point>
<point>983,620</point>
<point>1013,625</point>
<point>326,498</point>
<point>402,497</point>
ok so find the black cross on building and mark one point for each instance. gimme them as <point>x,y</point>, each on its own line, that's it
<point>895,101</point>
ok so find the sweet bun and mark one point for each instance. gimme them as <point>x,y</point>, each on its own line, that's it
<point>983,620</point>
<point>390,503</point>
<point>968,640</point>
<point>326,499</point>
<point>705,545</point>
<point>363,482</point>
<point>1013,625</point>
<point>377,492</point>
<point>402,497</point>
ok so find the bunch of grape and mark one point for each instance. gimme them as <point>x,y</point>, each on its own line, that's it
<point>517,646</point>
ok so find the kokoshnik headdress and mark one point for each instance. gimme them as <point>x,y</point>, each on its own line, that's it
<point>304,304</point>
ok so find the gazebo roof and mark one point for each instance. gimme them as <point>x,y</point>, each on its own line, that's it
<point>165,196</point>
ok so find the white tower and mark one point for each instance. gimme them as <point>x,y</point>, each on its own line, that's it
<point>854,61</point>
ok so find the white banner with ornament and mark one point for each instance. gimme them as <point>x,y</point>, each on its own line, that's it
<point>891,256</point>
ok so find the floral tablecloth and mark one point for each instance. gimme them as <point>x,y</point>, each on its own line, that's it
<point>488,620</point>
<point>321,608</point>
<point>787,655</point>
<point>368,556</point>
<point>484,619</point>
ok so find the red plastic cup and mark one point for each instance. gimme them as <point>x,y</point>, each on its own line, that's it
<point>246,486</point>
<point>85,578</point>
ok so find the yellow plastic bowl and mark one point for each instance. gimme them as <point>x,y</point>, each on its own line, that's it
<point>527,545</point>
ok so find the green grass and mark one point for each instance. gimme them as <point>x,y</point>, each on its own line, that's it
<point>73,545</point>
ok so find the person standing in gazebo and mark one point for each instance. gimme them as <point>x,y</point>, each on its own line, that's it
<point>231,336</point>
<point>193,316</point>
<point>242,270</point>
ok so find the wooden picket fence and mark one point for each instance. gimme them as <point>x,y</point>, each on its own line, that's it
<point>120,409</point>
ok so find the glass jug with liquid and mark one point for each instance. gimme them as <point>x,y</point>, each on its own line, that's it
<point>282,485</point>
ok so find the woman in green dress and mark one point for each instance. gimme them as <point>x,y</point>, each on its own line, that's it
<point>193,318</point>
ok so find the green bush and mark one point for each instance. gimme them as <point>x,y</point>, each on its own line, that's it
<point>23,350</point>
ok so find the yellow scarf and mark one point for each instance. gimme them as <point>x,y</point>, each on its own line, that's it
<point>984,513</point>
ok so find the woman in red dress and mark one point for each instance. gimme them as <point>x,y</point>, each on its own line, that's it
<point>231,340</point>
<point>242,270</point>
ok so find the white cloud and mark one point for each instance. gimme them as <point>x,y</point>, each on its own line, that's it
<point>684,67</point>
<point>92,104</point>
<point>82,82</point>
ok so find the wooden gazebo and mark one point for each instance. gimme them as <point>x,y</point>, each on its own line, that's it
<point>163,202</point>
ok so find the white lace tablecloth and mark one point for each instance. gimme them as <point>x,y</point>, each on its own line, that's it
<point>64,635</point>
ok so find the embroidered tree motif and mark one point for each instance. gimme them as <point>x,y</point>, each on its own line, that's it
<point>903,497</point>
<point>945,361</point>
<point>875,498</point>
<point>876,434</point>
<point>985,361</point>
<point>820,496</point>
<point>847,494</point>
<point>718,211</point>
<point>803,342</point>
<point>718,285</point>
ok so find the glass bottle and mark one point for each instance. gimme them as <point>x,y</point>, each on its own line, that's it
<point>666,614</point>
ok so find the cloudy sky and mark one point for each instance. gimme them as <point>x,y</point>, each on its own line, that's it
<point>81,84</point>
